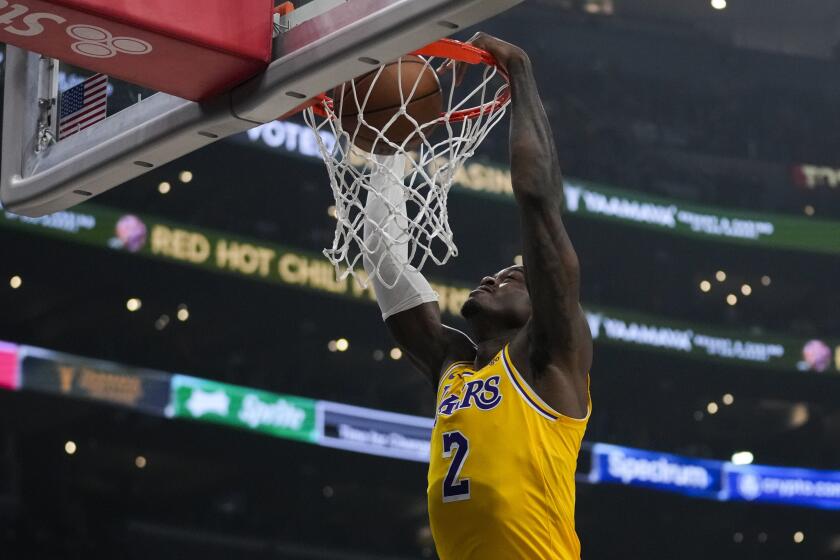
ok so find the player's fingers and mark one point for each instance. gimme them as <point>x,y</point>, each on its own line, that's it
<point>475,37</point>
<point>457,68</point>
<point>445,67</point>
<point>482,40</point>
<point>460,72</point>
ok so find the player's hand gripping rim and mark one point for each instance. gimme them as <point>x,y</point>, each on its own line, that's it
<point>505,55</point>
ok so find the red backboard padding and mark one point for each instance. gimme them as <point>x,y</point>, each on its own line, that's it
<point>189,48</point>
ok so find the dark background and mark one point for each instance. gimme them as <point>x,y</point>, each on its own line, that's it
<point>686,102</point>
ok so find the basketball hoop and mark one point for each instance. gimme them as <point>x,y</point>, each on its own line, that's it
<point>424,164</point>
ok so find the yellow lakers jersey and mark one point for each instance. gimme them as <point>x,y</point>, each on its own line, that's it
<point>502,470</point>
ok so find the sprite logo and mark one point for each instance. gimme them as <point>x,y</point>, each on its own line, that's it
<point>280,414</point>
<point>251,409</point>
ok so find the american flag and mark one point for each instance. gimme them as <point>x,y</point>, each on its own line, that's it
<point>83,105</point>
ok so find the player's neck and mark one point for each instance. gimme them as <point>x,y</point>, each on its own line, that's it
<point>488,347</point>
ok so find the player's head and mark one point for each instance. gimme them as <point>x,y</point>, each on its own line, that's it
<point>501,299</point>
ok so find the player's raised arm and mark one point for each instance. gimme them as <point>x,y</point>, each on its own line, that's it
<point>409,304</point>
<point>559,340</point>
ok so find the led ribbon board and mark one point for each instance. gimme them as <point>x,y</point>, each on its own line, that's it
<point>256,259</point>
<point>389,434</point>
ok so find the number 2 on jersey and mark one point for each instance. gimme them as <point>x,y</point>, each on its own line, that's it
<point>454,489</point>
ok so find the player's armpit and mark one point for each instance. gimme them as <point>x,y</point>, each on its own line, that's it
<point>429,344</point>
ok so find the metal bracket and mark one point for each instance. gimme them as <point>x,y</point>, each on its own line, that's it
<point>286,22</point>
<point>47,103</point>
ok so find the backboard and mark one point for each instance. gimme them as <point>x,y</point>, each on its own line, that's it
<point>324,43</point>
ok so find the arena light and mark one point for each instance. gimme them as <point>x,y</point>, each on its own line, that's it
<point>798,537</point>
<point>719,4</point>
<point>162,322</point>
<point>396,353</point>
<point>185,176</point>
<point>599,7</point>
<point>799,415</point>
<point>332,346</point>
<point>712,408</point>
<point>133,304</point>
<point>765,280</point>
<point>342,344</point>
<point>705,286</point>
<point>746,289</point>
<point>70,447</point>
<point>742,458</point>
<point>15,282</point>
<point>183,313</point>
<point>728,399</point>
<point>517,260</point>
<point>720,276</point>
<point>809,210</point>
<point>378,355</point>
<point>140,462</point>
<point>331,211</point>
<point>164,187</point>
<point>731,299</point>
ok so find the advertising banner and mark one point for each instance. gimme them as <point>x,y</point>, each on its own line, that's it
<point>207,249</point>
<point>375,432</point>
<point>267,262</point>
<point>601,202</point>
<point>661,471</point>
<point>612,326</point>
<point>769,231</point>
<point>9,377</point>
<point>816,176</point>
<point>250,409</point>
<point>52,372</point>
<point>389,434</point>
<point>782,485</point>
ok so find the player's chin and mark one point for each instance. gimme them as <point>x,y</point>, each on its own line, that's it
<point>471,307</point>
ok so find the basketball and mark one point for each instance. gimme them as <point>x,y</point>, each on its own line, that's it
<point>385,92</point>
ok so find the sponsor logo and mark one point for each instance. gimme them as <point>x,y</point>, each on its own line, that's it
<point>280,414</point>
<point>68,222</point>
<point>813,176</point>
<point>658,470</point>
<point>208,402</point>
<point>91,40</point>
<point>130,234</point>
<point>749,486</point>
<point>761,487</point>
<point>381,438</point>
<point>618,207</point>
<point>97,42</point>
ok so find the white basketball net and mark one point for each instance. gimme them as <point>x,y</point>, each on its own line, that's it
<point>419,229</point>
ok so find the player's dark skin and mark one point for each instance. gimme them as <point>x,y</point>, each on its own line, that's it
<point>535,307</point>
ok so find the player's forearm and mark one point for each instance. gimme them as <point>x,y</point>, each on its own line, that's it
<point>553,268</point>
<point>398,285</point>
<point>535,167</point>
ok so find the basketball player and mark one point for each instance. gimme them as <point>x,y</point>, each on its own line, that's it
<point>512,407</point>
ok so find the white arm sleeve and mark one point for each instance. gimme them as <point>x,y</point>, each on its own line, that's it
<point>411,289</point>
